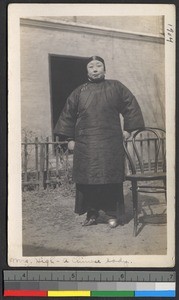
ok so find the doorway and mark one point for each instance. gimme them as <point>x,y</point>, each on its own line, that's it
<point>66,74</point>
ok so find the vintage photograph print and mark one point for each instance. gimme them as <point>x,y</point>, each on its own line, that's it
<point>91,143</point>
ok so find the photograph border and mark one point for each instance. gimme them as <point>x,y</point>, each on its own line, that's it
<point>15,258</point>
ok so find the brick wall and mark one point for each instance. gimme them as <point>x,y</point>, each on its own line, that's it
<point>139,64</point>
<point>143,24</point>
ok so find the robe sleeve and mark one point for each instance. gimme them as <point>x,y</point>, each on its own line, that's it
<point>66,123</point>
<point>130,110</point>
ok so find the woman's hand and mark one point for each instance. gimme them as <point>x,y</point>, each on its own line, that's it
<point>126,135</point>
<point>71,145</point>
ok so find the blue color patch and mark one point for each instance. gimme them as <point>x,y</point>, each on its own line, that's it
<point>155,294</point>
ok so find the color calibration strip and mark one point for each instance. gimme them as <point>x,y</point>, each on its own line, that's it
<point>30,283</point>
<point>130,289</point>
<point>26,293</point>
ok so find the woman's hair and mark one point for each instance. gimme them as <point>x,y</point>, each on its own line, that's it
<point>96,58</point>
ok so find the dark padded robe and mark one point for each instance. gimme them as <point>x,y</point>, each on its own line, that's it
<point>91,117</point>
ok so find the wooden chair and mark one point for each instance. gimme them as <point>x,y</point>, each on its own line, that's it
<point>146,156</point>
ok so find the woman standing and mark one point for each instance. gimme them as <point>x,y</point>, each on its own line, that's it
<point>91,119</point>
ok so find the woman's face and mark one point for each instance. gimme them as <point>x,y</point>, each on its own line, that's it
<point>95,69</point>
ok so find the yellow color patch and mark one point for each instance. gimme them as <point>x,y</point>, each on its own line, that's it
<point>69,293</point>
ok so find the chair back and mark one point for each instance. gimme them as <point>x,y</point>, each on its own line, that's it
<point>145,151</point>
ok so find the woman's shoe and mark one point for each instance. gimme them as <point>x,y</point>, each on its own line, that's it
<point>89,222</point>
<point>112,223</point>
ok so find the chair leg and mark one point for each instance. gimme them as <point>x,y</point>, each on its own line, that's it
<point>121,214</point>
<point>120,205</point>
<point>135,206</point>
<point>164,182</point>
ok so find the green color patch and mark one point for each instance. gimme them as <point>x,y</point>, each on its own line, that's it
<point>112,294</point>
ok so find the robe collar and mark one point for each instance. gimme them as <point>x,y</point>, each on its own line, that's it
<point>96,80</point>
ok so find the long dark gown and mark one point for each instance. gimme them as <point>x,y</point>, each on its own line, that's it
<point>91,117</point>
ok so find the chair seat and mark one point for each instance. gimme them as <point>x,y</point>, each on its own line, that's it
<point>146,176</point>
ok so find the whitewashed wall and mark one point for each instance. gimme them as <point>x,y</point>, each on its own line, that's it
<point>136,60</point>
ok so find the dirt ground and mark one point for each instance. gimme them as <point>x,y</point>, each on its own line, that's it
<point>51,228</point>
